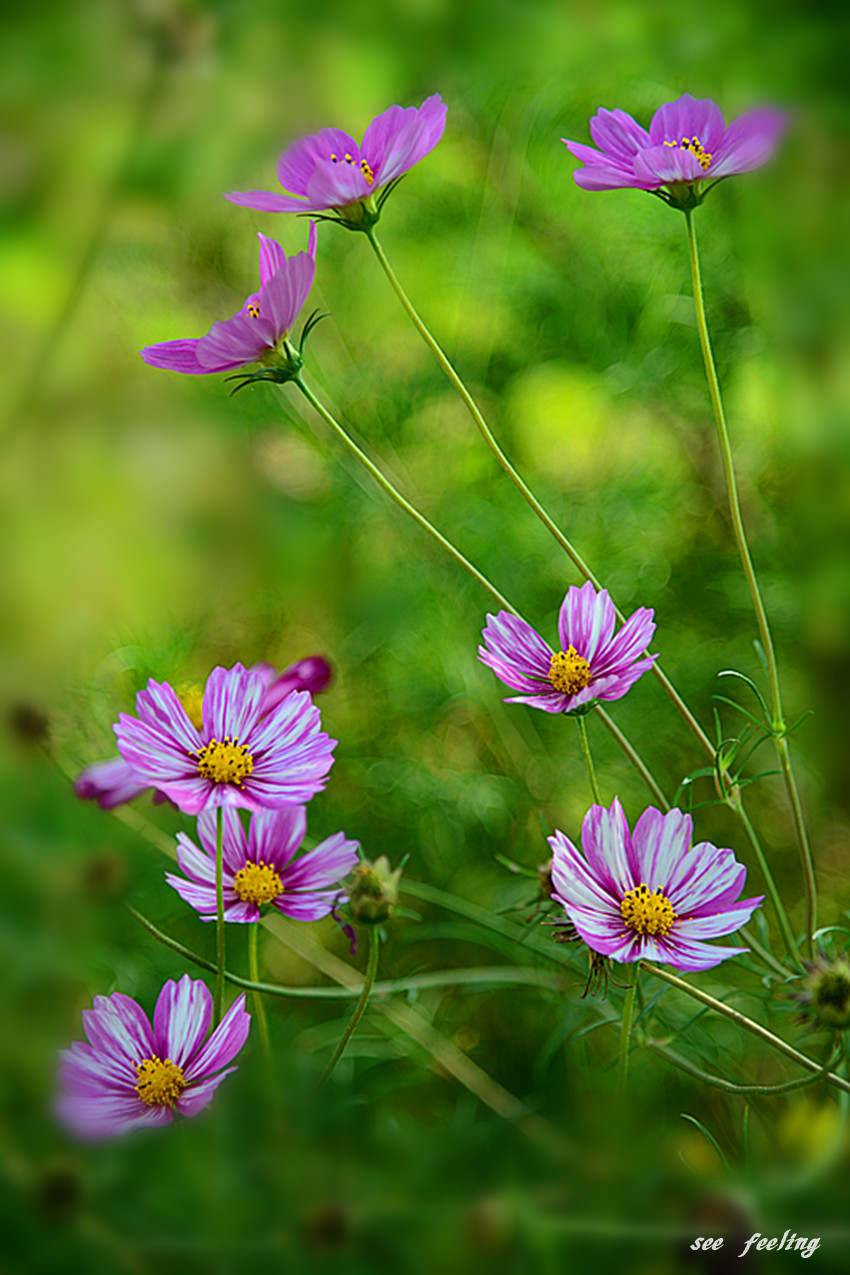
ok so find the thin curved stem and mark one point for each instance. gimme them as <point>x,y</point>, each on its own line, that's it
<point>779,726</point>
<point>776,898</point>
<point>219,914</point>
<point>254,975</point>
<point>588,760</point>
<point>625,1033</point>
<point>396,496</point>
<point>521,486</point>
<point>749,1025</point>
<point>719,1082</point>
<point>360,1007</point>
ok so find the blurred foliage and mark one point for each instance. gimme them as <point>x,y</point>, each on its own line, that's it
<point>153,526</point>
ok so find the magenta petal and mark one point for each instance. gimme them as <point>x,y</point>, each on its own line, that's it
<point>266,201</point>
<point>586,621</point>
<point>632,640</point>
<point>608,848</point>
<point>199,1095</point>
<point>727,921</point>
<point>516,653</point>
<point>197,864</point>
<point>398,138</point>
<point>325,865</point>
<point>234,841</point>
<point>661,842</point>
<point>687,118</point>
<point>158,705</point>
<point>297,165</point>
<point>223,1045</point>
<point>108,1116</point>
<point>618,135</point>
<point>550,702</point>
<point>181,1018</point>
<point>748,142</point>
<point>663,164</point>
<point>175,356</point>
<point>612,177</point>
<point>575,882</point>
<point>310,906</point>
<point>234,342</point>
<point>689,955</point>
<point>275,835</point>
<point>284,294</point>
<point>118,1026</point>
<point>232,700</point>
<point>109,783</point>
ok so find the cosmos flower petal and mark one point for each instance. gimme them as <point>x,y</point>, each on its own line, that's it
<point>199,896</point>
<point>612,177</point>
<point>325,865</point>
<point>197,864</point>
<point>573,879</point>
<point>275,835</point>
<point>586,621</point>
<point>608,848</point>
<point>690,955</point>
<point>711,926</point>
<point>551,702</point>
<point>297,165</point>
<point>177,356</point>
<point>519,652</point>
<point>399,137</point>
<point>632,640</point>
<point>234,843</point>
<point>687,118</point>
<point>267,201</point>
<point>232,700</point>
<point>92,1119</point>
<point>615,685</point>
<point>181,1019</point>
<point>117,1025</point>
<point>312,905</point>
<point>110,783</point>
<point>664,164</point>
<point>199,1095</point>
<point>703,875</point>
<point>158,705</point>
<point>749,141</point>
<point>283,296</point>
<point>661,842</point>
<point>223,1045</point>
<point>617,135</point>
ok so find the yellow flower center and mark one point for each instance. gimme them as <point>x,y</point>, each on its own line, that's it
<point>569,672</point>
<point>257,883</point>
<point>647,913</point>
<point>695,146</point>
<point>367,172</point>
<point>225,761</point>
<point>192,699</point>
<point>253,309</point>
<point>160,1082</point>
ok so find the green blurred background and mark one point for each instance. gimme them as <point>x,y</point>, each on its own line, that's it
<point>153,526</point>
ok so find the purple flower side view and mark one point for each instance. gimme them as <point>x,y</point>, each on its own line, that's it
<point>261,867</point>
<point>132,1074</point>
<point>686,142</point>
<point>237,757</point>
<point>112,783</point>
<point>592,663</point>
<point>647,895</point>
<point>329,170</point>
<point>255,332</point>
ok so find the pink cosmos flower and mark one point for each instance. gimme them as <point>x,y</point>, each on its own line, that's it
<point>687,144</point>
<point>255,334</point>
<point>328,170</point>
<point>132,1074</point>
<point>647,895</point>
<point>237,756</point>
<point>592,663</point>
<point>112,783</point>
<point>261,867</point>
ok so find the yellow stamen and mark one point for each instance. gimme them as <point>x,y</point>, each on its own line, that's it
<point>225,761</point>
<point>348,158</point>
<point>569,672</point>
<point>192,699</point>
<point>695,146</point>
<point>160,1082</point>
<point>334,159</point>
<point>647,913</point>
<point>253,309</point>
<point>257,883</point>
<point>367,172</point>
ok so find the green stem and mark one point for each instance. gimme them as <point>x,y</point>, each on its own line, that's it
<point>219,914</point>
<point>360,1007</point>
<point>625,1033</point>
<point>730,1086</point>
<point>254,975</point>
<point>749,1025</point>
<point>396,496</point>
<point>521,486</point>
<point>588,760</point>
<point>779,726</point>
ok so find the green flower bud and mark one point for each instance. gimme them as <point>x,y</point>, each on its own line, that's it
<point>373,891</point>
<point>825,995</point>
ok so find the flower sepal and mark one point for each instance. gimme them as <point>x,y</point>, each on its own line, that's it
<point>373,891</point>
<point>581,710</point>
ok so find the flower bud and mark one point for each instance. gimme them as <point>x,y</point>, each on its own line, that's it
<point>373,891</point>
<point>825,994</point>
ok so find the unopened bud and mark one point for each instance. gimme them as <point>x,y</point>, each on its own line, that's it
<point>373,891</point>
<point>825,994</point>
